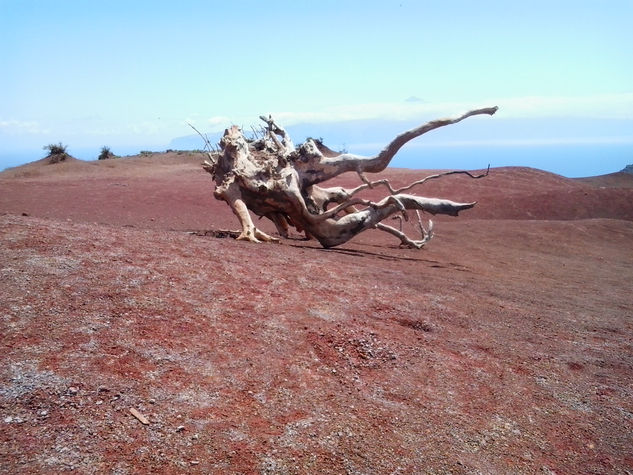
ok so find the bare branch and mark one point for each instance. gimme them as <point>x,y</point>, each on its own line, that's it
<point>394,191</point>
<point>210,164</point>
<point>316,171</point>
<point>207,143</point>
<point>255,133</point>
<point>286,144</point>
<point>404,239</point>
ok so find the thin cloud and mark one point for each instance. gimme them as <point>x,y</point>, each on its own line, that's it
<point>529,142</point>
<point>373,147</point>
<point>605,106</point>
<point>20,127</point>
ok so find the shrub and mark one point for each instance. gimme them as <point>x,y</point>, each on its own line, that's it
<point>55,149</point>
<point>56,152</point>
<point>106,153</point>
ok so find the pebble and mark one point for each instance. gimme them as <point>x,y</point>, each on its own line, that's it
<point>73,390</point>
<point>180,428</point>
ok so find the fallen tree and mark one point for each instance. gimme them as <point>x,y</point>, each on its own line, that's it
<point>272,178</point>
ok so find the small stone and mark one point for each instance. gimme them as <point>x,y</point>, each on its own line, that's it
<point>194,462</point>
<point>99,402</point>
<point>152,401</point>
<point>180,428</point>
<point>43,413</point>
<point>8,420</point>
<point>73,390</point>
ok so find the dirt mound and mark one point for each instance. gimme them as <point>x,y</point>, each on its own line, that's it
<point>171,191</point>
<point>52,167</point>
<point>612,180</point>
<point>57,158</point>
<point>146,164</point>
<point>523,193</point>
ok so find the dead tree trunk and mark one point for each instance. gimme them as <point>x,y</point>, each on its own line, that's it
<point>270,177</point>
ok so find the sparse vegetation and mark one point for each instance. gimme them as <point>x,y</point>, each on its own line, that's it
<point>106,153</point>
<point>56,152</point>
<point>55,149</point>
<point>179,152</point>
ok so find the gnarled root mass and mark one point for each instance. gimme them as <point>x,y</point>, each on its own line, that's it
<point>270,177</point>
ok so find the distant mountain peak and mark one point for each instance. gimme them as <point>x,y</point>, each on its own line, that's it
<point>628,169</point>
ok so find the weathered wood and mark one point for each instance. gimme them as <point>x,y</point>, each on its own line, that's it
<point>271,177</point>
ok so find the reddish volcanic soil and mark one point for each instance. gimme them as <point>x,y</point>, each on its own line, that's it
<point>504,346</point>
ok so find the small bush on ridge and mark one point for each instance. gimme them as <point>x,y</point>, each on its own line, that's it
<point>56,152</point>
<point>106,153</point>
<point>55,149</point>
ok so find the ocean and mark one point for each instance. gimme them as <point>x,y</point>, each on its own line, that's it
<point>572,161</point>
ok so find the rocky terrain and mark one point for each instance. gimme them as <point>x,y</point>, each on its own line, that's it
<point>138,337</point>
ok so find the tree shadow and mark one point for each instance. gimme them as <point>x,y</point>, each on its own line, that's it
<point>303,243</point>
<point>366,253</point>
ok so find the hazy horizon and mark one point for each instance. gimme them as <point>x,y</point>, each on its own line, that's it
<point>569,160</point>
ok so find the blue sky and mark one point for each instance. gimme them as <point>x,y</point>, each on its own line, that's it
<point>131,73</point>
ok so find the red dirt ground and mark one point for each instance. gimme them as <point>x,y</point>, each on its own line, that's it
<point>505,346</point>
